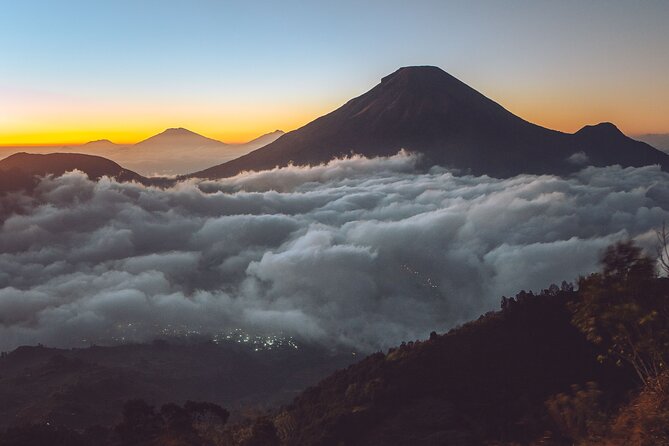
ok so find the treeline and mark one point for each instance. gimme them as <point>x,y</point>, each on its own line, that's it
<point>624,311</point>
<point>193,424</point>
<point>570,365</point>
<point>584,365</point>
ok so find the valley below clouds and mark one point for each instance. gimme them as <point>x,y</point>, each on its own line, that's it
<point>360,253</point>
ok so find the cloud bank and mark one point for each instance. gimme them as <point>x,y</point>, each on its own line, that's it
<point>360,252</point>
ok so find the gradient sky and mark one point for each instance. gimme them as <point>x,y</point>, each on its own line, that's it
<point>73,70</point>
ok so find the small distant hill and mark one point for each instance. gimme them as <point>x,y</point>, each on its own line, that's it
<point>263,140</point>
<point>175,151</point>
<point>659,140</point>
<point>21,170</point>
<point>100,143</point>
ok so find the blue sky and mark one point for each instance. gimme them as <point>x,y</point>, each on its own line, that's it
<point>234,69</point>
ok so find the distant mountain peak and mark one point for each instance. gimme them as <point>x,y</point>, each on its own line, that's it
<point>100,141</point>
<point>424,109</point>
<point>423,79</point>
<point>603,129</point>
<point>265,139</point>
<point>179,135</point>
<point>178,131</point>
<point>415,73</point>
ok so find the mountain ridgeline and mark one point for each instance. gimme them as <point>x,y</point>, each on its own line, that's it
<point>173,151</point>
<point>59,163</point>
<point>420,109</point>
<point>175,137</point>
<point>22,171</point>
<point>426,110</point>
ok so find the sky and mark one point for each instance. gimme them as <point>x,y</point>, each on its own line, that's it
<point>74,71</point>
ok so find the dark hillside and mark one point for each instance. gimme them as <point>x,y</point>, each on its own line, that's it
<point>77,388</point>
<point>485,381</point>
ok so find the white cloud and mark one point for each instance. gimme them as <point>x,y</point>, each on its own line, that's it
<point>361,252</point>
<point>579,158</point>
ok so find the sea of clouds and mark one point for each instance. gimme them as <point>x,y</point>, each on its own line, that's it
<point>359,252</point>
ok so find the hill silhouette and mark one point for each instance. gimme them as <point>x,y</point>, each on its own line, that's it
<point>483,383</point>
<point>100,143</point>
<point>659,140</point>
<point>59,163</point>
<point>533,373</point>
<point>425,109</point>
<point>265,139</point>
<point>175,137</point>
<point>22,171</point>
<point>168,153</point>
<point>82,387</point>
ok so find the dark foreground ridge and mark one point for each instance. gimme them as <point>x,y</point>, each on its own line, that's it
<point>22,171</point>
<point>485,381</point>
<point>427,110</point>
<point>560,368</point>
<point>83,387</point>
<point>534,373</point>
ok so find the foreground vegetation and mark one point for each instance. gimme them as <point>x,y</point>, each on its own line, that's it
<point>561,367</point>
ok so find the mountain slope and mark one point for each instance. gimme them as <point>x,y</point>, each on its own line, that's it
<point>82,387</point>
<point>100,144</point>
<point>263,140</point>
<point>178,151</point>
<point>484,382</point>
<point>176,137</point>
<point>659,140</point>
<point>427,110</point>
<point>19,171</point>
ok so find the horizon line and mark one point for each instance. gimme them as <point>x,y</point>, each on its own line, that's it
<point>80,144</point>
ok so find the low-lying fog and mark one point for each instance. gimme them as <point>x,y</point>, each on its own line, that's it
<point>360,252</point>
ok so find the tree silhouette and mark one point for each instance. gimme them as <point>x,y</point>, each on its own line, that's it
<point>140,423</point>
<point>663,248</point>
<point>624,309</point>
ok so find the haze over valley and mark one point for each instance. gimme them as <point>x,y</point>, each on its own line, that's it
<point>175,151</point>
<point>317,253</point>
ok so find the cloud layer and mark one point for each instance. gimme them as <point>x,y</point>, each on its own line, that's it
<point>360,252</point>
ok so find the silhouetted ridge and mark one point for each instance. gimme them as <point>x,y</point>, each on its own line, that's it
<point>100,142</point>
<point>426,80</point>
<point>179,136</point>
<point>425,109</point>
<point>408,73</point>
<point>22,170</point>
<point>177,131</point>
<point>59,163</point>
<point>480,383</point>
<point>602,130</point>
<point>605,144</point>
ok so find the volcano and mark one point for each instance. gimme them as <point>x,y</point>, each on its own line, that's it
<point>424,109</point>
<point>179,137</point>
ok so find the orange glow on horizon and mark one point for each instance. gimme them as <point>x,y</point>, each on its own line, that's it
<point>69,134</point>
<point>241,124</point>
<point>77,138</point>
<point>59,120</point>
